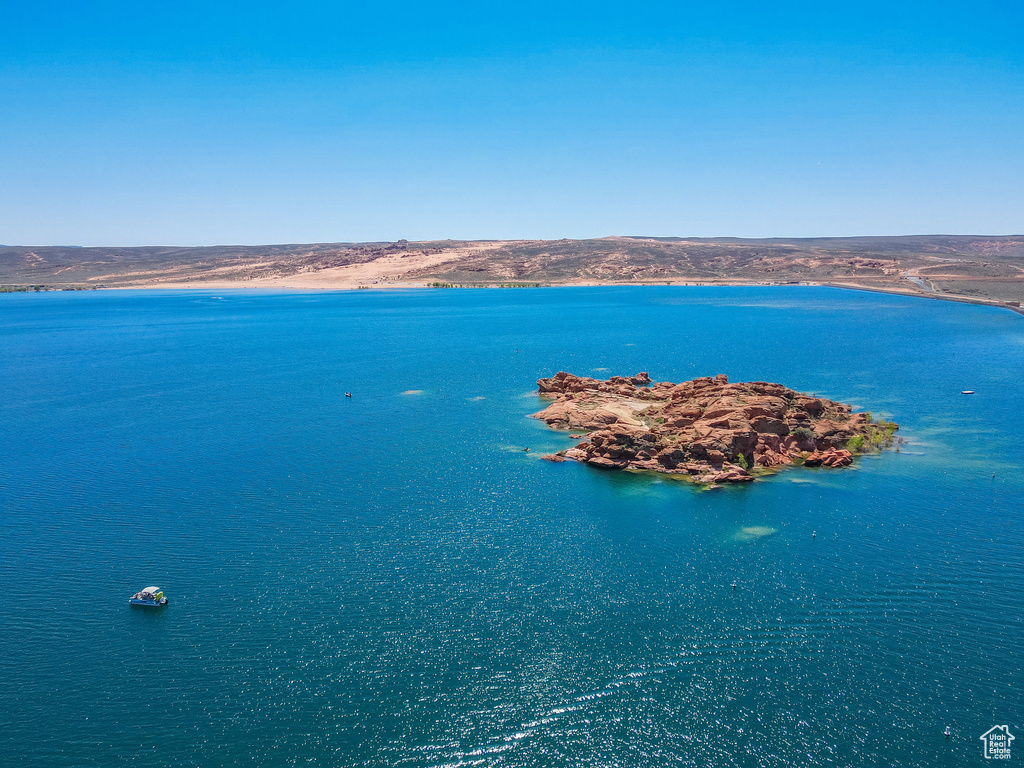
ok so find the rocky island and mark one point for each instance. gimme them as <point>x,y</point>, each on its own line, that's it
<point>707,429</point>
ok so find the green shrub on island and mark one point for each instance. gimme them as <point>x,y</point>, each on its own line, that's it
<point>879,435</point>
<point>882,433</point>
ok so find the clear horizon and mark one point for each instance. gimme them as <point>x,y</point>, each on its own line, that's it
<point>495,239</point>
<point>251,125</point>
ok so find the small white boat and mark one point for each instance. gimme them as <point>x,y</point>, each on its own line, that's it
<point>152,597</point>
<point>966,391</point>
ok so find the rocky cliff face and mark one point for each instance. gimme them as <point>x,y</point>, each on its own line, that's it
<point>708,429</point>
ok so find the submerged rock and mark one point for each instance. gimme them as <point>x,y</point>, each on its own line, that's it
<point>753,533</point>
<point>707,429</point>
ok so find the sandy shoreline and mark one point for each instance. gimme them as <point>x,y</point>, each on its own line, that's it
<point>318,283</point>
<point>985,270</point>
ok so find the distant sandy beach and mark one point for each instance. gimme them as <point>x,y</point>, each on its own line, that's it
<point>986,270</point>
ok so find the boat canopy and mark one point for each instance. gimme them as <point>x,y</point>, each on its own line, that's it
<point>152,590</point>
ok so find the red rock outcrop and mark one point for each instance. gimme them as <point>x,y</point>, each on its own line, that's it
<point>707,429</point>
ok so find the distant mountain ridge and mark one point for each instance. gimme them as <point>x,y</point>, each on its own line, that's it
<point>968,267</point>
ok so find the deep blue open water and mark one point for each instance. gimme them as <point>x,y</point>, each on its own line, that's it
<point>390,580</point>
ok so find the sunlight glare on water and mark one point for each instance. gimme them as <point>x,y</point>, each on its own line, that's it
<point>391,580</point>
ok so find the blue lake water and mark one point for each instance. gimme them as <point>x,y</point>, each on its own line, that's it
<point>390,580</point>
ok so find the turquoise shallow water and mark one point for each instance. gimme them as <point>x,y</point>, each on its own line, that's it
<point>389,580</point>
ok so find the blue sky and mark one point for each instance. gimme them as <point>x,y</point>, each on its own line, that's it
<point>201,123</point>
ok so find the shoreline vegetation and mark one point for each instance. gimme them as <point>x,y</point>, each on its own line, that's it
<point>986,270</point>
<point>1013,306</point>
<point>708,430</point>
<point>40,288</point>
